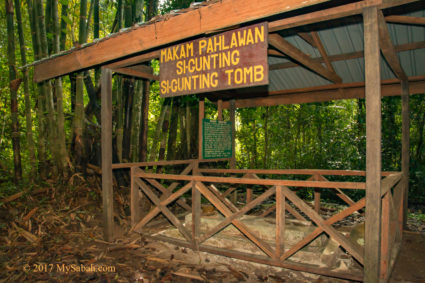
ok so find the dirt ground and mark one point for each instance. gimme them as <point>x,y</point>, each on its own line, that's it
<point>55,235</point>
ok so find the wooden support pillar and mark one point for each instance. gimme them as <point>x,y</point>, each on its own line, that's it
<point>196,210</point>
<point>316,195</point>
<point>405,146</point>
<point>134,199</point>
<point>280,221</point>
<point>373,145</point>
<point>201,117</point>
<point>106,143</point>
<point>233,119</point>
<point>220,110</point>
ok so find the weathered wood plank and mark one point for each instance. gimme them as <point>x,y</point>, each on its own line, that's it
<point>203,20</point>
<point>280,222</point>
<point>237,214</point>
<point>388,49</point>
<point>327,93</point>
<point>405,145</point>
<point>351,248</point>
<point>134,199</point>
<point>284,46</point>
<point>200,118</point>
<point>290,172</point>
<point>106,144</point>
<point>333,219</point>
<point>238,224</point>
<point>173,219</point>
<point>373,146</point>
<point>130,71</point>
<point>154,212</point>
<point>265,182</point>
<point>405,20</point>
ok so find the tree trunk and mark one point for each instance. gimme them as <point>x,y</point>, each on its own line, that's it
<point>128,92</point>
<point>78,122</point>
<point>120,118</point>
<point>61,142</point>
<point>47,89</point>
<point>172,137</point>
<point>151,9</point>
<point>32,13</point>
<point>155,140</point>
<point>29,133</point>
<point>135,121</point>
<point>165,127</point>
<point>144,123</point>
<point>64,15</point>
<point>266,138</point>
<point>14,85</point>
<point>96,34</point>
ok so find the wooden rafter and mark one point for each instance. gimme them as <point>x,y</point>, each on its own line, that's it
<point>136,72</point>
<point>284,46</point>
<point>405,20</point>
<point>388,49</point>
<point>319,45</point>
<point>349,56</point>
<point>307,38</point>
<point>327,93</point>
<point>272,52</point>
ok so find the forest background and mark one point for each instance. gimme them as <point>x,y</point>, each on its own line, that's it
<point>50,132</point>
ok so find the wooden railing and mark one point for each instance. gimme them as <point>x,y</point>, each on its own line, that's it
<point>164,189</point>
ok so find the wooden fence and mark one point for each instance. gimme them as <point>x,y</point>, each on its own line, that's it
<point>203,182</point>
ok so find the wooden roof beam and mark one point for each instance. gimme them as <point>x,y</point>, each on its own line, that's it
<point>405,20</point>
<point>284,46</point>
<point>388,49</point>
<point>168,31</point>
<point>328,92</point>
<point>348,56</point>
<point>307,38</point>
<point>273,52</point>
<point>322,50</point>
<point>140,71</point>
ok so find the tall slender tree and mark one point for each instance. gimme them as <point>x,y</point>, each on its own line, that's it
<point>32,14</point>
<point>28,118</point>
<point>78,122</point>
<point>14,85</point>
<point>61,142</point>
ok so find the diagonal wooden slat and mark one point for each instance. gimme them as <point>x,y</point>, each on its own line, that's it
<point>238,214</point>
<point>165,202</point>
<point>333,219</point>
<point>227,213</point>
<point>351,248</point>
<point>388,49</point>
<point>340,193</point>
<point>282,45</point>
<point>166,192</point>
<point>225,200</point>
<point>173,219</point>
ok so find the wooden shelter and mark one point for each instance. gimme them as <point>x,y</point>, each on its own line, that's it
<point>303,68</point>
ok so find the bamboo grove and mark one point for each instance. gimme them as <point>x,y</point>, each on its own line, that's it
<point>52,130</point>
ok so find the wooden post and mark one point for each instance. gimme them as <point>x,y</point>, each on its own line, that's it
<point>201,117</point>
<point>373,145</point>
<point>196,210</point>
<point>220,110</point>
<point>405,145</point>
<point>280,221</point>
<point>316,195</point>
<point>134,198</point>
<point>233,119</point>
<point>106,142</point>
